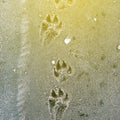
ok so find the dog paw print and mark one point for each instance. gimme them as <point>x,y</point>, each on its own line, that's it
<point>58,103</point>
<point>50,29</point>
<point>62,71</point>
<point>61,4</point>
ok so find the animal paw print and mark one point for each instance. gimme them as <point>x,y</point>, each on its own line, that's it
<point>61,4</point>
<point>58,103</point>
<point>62,71</point>
<point>50,29</point>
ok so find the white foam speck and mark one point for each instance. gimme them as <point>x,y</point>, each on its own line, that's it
<point>14,70</point>
<point>95,19</point>
<point>53,62</point>
<point>67,40</point>
<point>118,47</point>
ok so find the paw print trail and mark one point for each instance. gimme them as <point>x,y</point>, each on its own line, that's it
<point>58,103</point>
<point>58,100</point>
<point>62,71</point>
<point>50,28</point>
<point>61,4</point>
<point>23,79</point>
